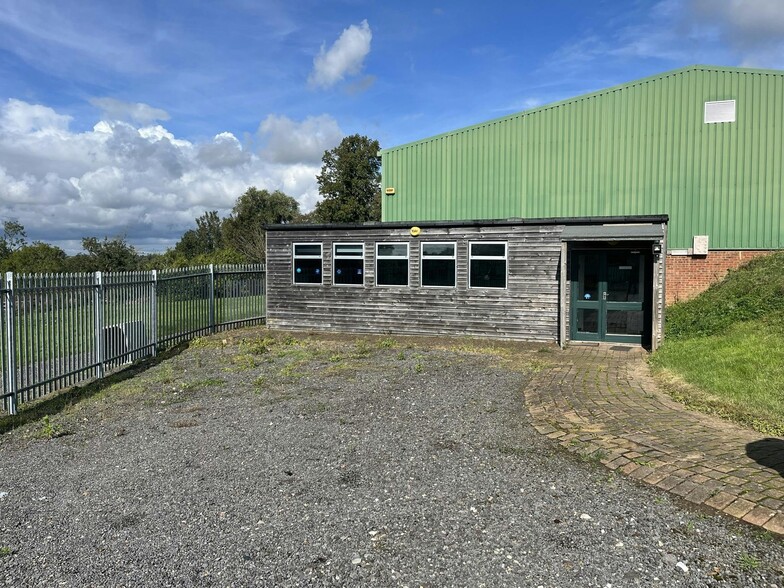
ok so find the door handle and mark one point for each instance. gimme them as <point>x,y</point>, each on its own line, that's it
<point>604,295</point>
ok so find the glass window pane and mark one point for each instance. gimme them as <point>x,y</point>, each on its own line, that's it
<point>392,272</point>
<point>587,320</point>
<point>624,277</point>
<point>442,249</point>
<point>624,322</point>
<point>307,271</point>
<point>488,273</point>
<point>354,250</point>
<point>349,271</point>
<point>392,249</point>
<point>488,249</point>
<point>309,249</point>
<point>588,276</point>
<point>438,272</point>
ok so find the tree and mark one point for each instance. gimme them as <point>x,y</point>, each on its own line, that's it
<point>13,238</point>
<point>36,258</point>
<point>109,255</point>
<point>205,239</point>
<point>243,230</point>
<point>350,182</point>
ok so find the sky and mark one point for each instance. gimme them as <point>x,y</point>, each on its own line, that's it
<point>132,118</point>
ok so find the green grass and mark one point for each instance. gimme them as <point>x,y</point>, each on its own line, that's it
<point>58,331</point>
<point>753,292</point>
<point>724,350</point>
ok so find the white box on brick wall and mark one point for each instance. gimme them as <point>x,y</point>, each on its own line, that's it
<point>700,245</point>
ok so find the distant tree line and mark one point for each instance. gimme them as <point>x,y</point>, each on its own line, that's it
<point>349,183</point>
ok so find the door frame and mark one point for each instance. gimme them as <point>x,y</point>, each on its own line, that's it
<point>601,304</point>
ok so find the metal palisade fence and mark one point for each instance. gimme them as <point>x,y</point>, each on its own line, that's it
<point>62,329</point>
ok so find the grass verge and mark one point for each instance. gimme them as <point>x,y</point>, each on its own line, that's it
<point>724,350</point>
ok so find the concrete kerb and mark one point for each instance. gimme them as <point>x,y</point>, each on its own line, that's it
<point>602,403</point>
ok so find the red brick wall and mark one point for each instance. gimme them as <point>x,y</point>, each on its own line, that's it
<point>687,276</point>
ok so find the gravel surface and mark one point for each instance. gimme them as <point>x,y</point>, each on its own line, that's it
<point>260,459</point>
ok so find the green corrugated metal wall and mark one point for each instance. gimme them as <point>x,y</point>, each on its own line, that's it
<point>639,148</point>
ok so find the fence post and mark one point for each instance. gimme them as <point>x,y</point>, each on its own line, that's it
<point>98,309</point>
<point>10,341</point>
<point>212,298</point>
<point>154,312</point>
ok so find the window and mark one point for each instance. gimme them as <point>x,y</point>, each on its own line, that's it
<point>487,261</point>
<point>348,265</point>
<point>392,264</point>
<point>438,264</point>
<point>720,111</point>
<point>307,263</point>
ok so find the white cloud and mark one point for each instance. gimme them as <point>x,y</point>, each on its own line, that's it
<point>754,29</point>
<point>719,32</point>
<point>20,117</point>
<point>746,21</point>
<point>114,109</point>
<point>224,151</point>
<point>143,181</point>
<point>290,142</point>
<point>345,57</point>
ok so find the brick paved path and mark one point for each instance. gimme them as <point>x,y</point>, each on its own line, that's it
<point>601,401</point>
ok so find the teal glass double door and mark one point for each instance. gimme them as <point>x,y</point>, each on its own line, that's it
<point>609,298</point>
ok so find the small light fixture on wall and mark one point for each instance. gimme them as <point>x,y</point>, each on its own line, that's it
<point>389,191</point>
<point>656,249</point>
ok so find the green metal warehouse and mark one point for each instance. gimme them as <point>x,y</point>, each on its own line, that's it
<point>578,220</point>
<point>701,144</point>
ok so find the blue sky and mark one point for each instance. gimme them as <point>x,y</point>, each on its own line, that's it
<point>134,117</point>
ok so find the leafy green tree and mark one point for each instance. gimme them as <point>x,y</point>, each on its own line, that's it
<point>243,230</point>
<point>36,258</point>
<point>14,237</point>
<point>109,255</point>
<point>205,239</point>
<point>350,182</point>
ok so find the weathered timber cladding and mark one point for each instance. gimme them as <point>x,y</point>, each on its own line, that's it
<point>526,310</point>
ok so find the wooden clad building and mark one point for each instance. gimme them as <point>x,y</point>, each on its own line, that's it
<point>559,279</point>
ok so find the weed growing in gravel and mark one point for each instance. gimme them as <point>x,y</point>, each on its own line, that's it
<point>537,365</point>
<point>594,456</point>
<point>335,358</point>
<point>244,361</point>
<point>166,374</point>
<point>289,340</point>
<point>419,367</point>
<point>203,383</point>
<point>401,355</point>
<point>258,346</point>
<point>5,551</point>
<point>748,562</point>
<point>362,349</point>
<point>205,343</point>
<point>387,343</point>
<point>49,430</point>
<point>292,370</point>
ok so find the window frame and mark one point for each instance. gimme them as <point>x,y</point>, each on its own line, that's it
<point>505,259</point>
<point>407,258</point>
<point>422,259</point>
<point>294,258</point>
<point>335,257</point>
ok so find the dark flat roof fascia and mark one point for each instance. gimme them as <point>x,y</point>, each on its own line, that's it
<point>511,222</point>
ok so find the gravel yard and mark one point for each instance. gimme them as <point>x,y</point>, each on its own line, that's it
<point>256,458</point>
